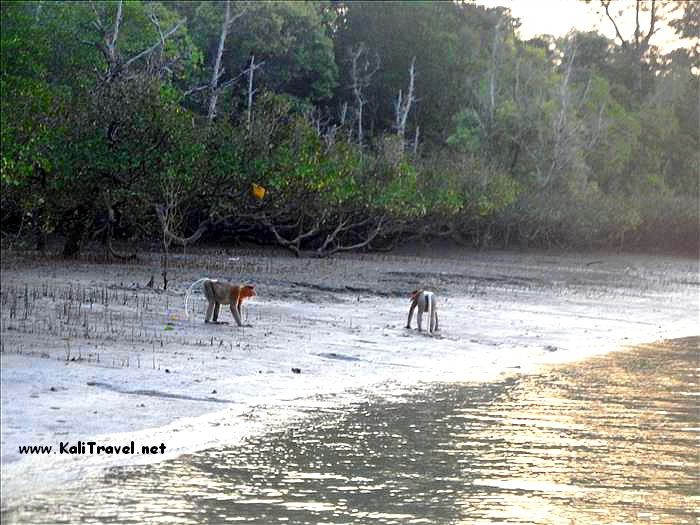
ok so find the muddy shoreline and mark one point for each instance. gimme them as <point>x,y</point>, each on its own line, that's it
<point>525,448</point>
<point>88,352</point>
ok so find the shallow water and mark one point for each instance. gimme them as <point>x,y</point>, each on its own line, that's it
<point>608,440</point>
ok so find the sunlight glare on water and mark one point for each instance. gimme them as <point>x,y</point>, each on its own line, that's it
<point>608,440</point>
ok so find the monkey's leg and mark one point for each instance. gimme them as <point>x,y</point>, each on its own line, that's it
<point>236,314</point>
<point>410,314</point>
<point>420,320</point>
<point>216,312</point>
<point>209,294</point>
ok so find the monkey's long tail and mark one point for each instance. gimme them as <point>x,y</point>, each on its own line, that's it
<point>188,293</point>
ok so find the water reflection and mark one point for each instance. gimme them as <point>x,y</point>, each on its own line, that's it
<point>610,440</point>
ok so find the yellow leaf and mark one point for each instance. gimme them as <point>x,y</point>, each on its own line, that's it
<point>257,191</point>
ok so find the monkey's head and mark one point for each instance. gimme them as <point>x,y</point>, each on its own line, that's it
<point>248,291</point>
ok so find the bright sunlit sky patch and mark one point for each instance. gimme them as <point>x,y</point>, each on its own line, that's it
<point>558,17</point>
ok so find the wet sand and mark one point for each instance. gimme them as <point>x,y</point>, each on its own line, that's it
<point>611,439</point>
<point>88,353</point>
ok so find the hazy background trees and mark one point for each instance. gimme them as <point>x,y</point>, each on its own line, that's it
<point>149,120</point>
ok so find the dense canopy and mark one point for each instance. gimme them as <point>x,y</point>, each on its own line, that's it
<point>331,125</point>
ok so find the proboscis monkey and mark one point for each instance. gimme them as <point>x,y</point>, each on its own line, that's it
<point>425,302</point>
<point>220,292</point>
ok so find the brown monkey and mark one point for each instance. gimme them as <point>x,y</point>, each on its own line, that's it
<point>220,292</point>
<point>425,302</point>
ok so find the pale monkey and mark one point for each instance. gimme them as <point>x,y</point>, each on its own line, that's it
<point>424,300</point>
<point>220,292</point>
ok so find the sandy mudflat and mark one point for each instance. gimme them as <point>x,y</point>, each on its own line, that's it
<point>88,353</point>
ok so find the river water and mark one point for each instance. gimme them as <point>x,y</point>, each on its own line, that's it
<point>609,440</point>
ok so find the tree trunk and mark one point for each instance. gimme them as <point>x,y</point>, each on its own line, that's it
<point>74,241</point>
<point>77,232</point>
<point>165,269</point>
<point>41,241</point>
<point>41,234</point>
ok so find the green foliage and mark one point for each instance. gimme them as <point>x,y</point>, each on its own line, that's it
<point>444,37</point>
<point>554,139</point>
<point>292,38</point>
<point>464,187</point>
<point>468,133</point>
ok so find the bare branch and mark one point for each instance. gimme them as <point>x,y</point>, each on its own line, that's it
<point>153,17</point>
<point>154,46</point>
<point>162,212</point>
<point>112,44</point>
<point>218,71</point>
<point>251,71</point>
<point>403,107</point>
<point>98,20</point>
<point>652,23</point>
<point>596,134</point>
<point>637,31</point>
<point>370,237</point>
<point>606,6</point>
<point>229,82</point>
<point>360,77</point>
<point>294,245</point>
<point>197,89</point>
<point>343,113</point>
<point>330,238</point>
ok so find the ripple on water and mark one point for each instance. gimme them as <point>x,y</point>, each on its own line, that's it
<point>609,440</point>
